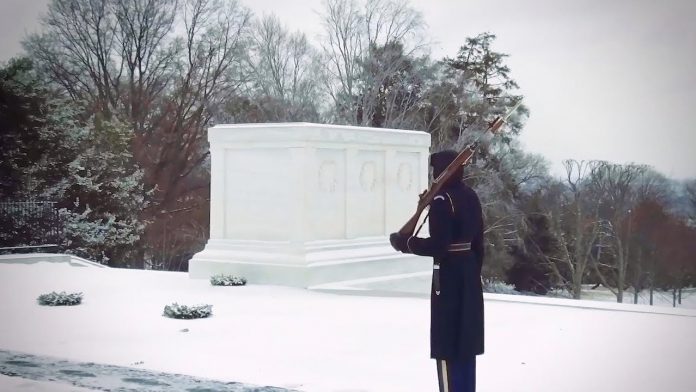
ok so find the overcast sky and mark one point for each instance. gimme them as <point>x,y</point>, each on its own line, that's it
<point>604,79</point>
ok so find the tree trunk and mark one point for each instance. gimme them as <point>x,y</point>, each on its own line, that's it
<point>577,286</point>
<point>621,275</point>
<point>674,297</point>
<point>578,255</point>
<point>637,287</point>
<point>652,278</point>
<point>680,291</point>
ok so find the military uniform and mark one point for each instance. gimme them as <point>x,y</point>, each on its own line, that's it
<point>456,245</point>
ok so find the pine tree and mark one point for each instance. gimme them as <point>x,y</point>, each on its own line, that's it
<point>36,140</point>
<point>531,271</point>
<point>85,165</point>
<point>107,193</point>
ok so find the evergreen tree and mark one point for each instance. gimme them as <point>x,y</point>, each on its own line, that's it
<point>474,88</point>
<point>106,191</point>
<point>37,134</point>
<point>50,153</point>
<point>531,271</point>
<point>391,86</point>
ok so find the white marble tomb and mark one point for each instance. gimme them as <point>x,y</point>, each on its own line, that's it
<point>306,204</point>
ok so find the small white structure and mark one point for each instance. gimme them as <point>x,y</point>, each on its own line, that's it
<point>305,204</point>
<point>32,258</point>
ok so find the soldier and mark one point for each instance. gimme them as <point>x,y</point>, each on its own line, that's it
<point>456,299</point>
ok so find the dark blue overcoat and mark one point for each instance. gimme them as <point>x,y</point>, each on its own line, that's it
<point>456,325</point>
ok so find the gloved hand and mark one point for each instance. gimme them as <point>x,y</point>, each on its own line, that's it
<point>398,242</point>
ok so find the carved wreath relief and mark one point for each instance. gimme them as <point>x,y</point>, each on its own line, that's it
<point>368,176</point>
<point>327,176</point>
<point>404,176</point>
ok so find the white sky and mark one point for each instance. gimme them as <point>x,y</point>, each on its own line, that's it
<point>603,79</point>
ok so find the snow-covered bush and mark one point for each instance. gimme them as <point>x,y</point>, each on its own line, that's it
<point>188,312</point>
<point>107,194</point>
<point>560,293</point>
<point>227,280</point>
<point>60,299</point>
<point>498,287</point>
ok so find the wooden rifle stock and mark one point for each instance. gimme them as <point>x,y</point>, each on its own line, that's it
<point>462,159</point>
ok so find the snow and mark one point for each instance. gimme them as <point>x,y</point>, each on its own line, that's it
<point>660,298</point>
<point>318,341</point>
<point>23,385</point>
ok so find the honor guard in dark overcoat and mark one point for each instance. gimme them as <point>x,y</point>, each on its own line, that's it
<point>456,245</point>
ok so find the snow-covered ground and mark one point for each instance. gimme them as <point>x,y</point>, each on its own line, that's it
<point>317,341</point>
<point>660,298</point>
<point>22,385</point>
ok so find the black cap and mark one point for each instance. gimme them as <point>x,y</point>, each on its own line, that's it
<point>440,160</point>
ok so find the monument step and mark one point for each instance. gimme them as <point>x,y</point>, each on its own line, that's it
<point>415,283</point>
<point>314,274</point>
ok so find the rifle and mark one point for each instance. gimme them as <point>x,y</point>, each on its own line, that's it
<point>462,159</point>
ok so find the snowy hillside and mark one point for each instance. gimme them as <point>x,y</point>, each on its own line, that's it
<point>317,341</point>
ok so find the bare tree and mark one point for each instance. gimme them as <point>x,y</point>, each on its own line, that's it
<point>392,21</point>
<point>351,32</point>
<point>113,55</point>
<point>284,67</point>
<point>652,185</point>
<point>575,226</point>
<point>125,59</point>
<point>651,189</point>
<point>522,169</point>
<point>615,187</point>
<point>145,54</point>
<point>160,66</point>
<point>77,50</point>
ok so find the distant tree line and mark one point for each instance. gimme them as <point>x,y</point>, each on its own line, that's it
<point>108,115</point>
